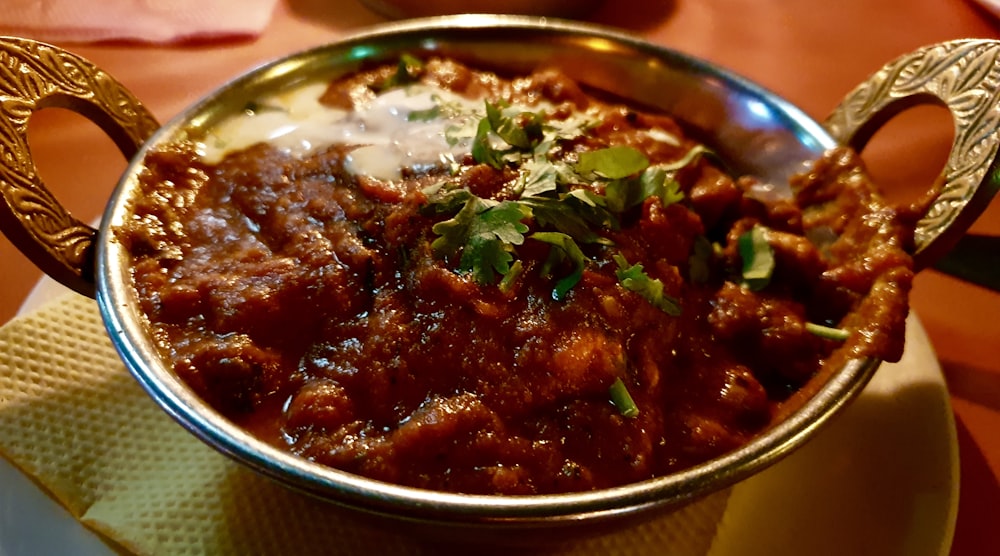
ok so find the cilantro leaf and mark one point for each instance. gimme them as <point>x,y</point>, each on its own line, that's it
<point>591,207</point>
<point>454,233</point>
<point>484,234</point>
<point>482,148</point>
<point>539,177</point>
<point>550,194</point>
<point>444,200</point>
<point>568,129</point>
<point>485,256</point>
<point>828,332</point>
<point>408,70</point>
<point>556,131</point>
<point>622,400</point>
<point>614,163</point>
<point>511,129</point>
<point>446,197</point>
<point>624,194</point>
<point>634,278</point>
<point>511,276</point>
<point>563,216</point>
<point>504,222</point>
<point>432,113</point>
<point>435,188</point>
<point>566,174</point>
<point>564,247</point>
<point>758,258</point>
<point>655,182</point>
<point>688,158</point>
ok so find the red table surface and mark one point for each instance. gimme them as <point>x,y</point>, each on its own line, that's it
<point>811,53</point>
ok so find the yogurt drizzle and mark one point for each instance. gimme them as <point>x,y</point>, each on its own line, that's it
<point>389,138</point>
<point>416,126</point>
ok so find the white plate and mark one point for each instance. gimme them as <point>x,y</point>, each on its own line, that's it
<point>880,480</point>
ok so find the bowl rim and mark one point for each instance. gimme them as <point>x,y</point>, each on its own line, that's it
<point>134,346</point>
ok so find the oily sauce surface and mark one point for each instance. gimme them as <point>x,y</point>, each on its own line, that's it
<point>308,304</point>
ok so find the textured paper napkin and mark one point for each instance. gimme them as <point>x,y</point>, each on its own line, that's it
<point>74,420</point>
<point>156,21</point>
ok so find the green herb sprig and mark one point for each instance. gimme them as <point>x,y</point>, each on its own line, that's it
<point>622,400</point>
<point>758,258</point>
<point>408,71</point>
<point>827,332</point>
<point>549,204</point>
<point>484,234</point>
<point>634,278</point>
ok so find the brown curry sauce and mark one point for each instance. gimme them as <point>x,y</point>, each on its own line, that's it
<point>306,304</point>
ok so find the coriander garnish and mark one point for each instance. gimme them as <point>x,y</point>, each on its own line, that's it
<point>521,131</point>
<point>830,333</point>
<point>622,399</point>
<point>565,201</point>
<point>485,235</point>
<point>758,258</point>
<point>507,283</point>
<point>654,181</point>
<point>408,70</point>
<point>613,162</point>
<point>568,249</point>
<point>432,113</point>
<point>634,278</point>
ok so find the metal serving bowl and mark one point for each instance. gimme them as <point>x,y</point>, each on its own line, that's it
<point>757,132</point>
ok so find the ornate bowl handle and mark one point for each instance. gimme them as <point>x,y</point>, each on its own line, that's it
<point>964,75</point>
<point>34,76</point>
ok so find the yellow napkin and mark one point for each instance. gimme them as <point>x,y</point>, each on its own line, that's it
<point>73,419</point>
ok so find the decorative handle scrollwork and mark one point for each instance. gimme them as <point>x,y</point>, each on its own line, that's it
<point>34,76</point>
<point>964,75</point>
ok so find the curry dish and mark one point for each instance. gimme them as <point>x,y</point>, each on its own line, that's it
<point>450,279</point>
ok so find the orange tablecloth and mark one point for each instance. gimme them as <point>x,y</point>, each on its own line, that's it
<point>811,53</point>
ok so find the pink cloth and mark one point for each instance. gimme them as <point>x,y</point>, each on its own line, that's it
<point>154,21</point>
